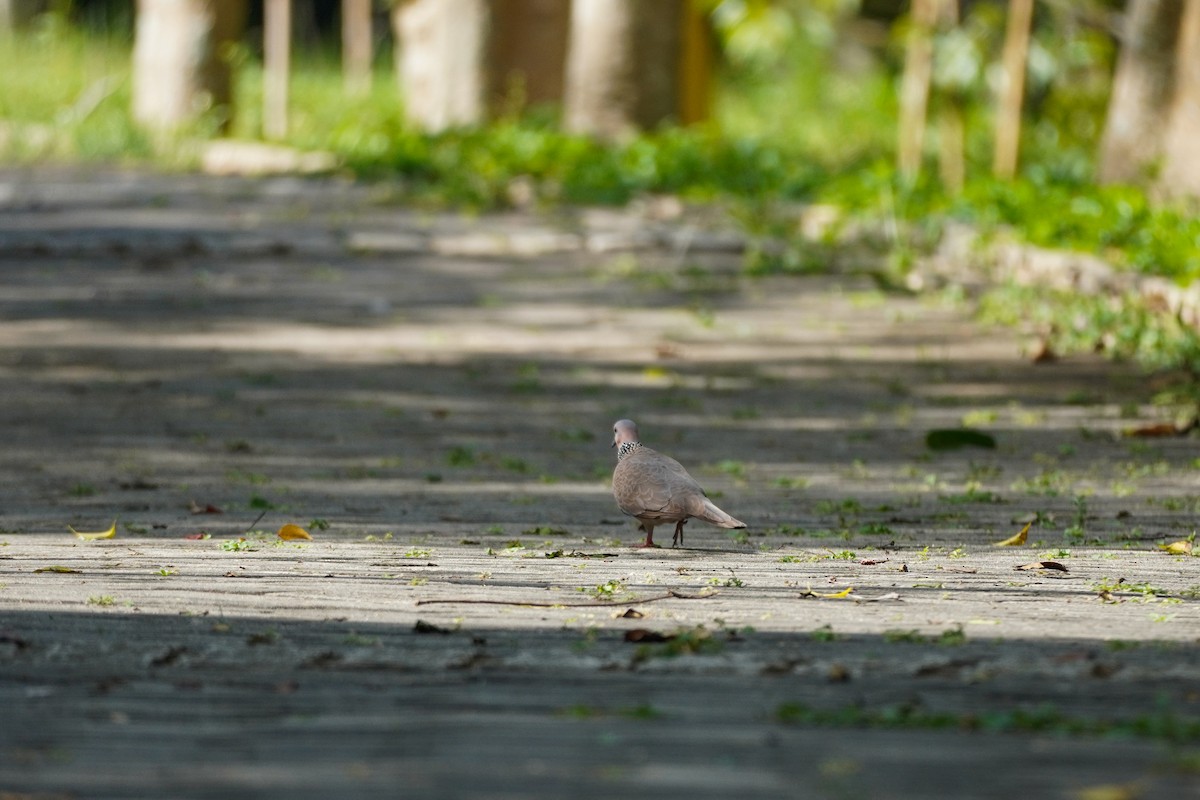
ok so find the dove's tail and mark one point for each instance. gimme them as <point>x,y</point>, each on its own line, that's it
<point>716,516</point>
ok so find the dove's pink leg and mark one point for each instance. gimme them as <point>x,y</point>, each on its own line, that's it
<point>649,529</point>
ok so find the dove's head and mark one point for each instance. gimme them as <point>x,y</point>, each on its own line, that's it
<point>624,430</point>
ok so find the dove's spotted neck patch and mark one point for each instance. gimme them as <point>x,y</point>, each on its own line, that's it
<point>626,448</point>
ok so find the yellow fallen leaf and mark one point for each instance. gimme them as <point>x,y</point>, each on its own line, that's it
<point>1113,791</point>
<point>1181,548</point>
<point>291,532</point>
<point>87,537</point>
<point>1017,539</point>
<point>837,595</point>
<point>57,568</point>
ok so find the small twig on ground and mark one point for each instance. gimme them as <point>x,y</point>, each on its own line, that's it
<point>252,524</point>
<point>633,602</point>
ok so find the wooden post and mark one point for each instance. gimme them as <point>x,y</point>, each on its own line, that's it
<point>914,87</point>
<point>277,39</point>
<point>356,45</point>
<point>1008,121</point>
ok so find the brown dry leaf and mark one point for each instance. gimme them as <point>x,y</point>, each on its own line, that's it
<point>1156,431</point>
<point>1044,565</point>
<point>645,636</point>
<point>1017,539</point>
<point>632,613</point>
<point>207,508</point>
<point>1181,548</point>
<point>57,568</point>
<point>88,537</point>
<point>198,536</point>
<point>870,562</point>
<point>291,532</point>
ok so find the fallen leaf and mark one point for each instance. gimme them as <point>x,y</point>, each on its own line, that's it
<point>16,641</point>
<point>632,613</point>
<point>1017,539</point>
<point>87,537</point>
<point>428,627</point>
<point>837,673</point>
<point>1113,791</point>
<point>644,636</point>
<point>870,562</point>
<point>1181,548</point>
<point>954,438</point>
<point>207,508</point>
<point>880,599</point>
<point>1158,430</point>
<point>57,568</point>
<point>1044,565</point>
<point>197,536</point>
<point>138,483</point>
<point>291,532</point>
<point>844,593</point>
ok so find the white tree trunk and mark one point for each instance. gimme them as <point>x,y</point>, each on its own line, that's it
<point>179,71</point>
<point>357,41</point>
<point>441,60</point>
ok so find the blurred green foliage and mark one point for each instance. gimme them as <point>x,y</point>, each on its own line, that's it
<point>806,111</point>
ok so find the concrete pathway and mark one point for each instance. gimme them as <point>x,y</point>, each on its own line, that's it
<point>431,397</point>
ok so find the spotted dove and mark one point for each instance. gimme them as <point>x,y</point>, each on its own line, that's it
<point>655,489</point>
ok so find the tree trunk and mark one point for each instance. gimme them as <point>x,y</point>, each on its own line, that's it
<point>914,87</point>
<point>1008,118</point>
<point>179,68</point>
<point>952,136</point>
<point>623,69</point>
<point>277,56</point>
<point>1181,146</point>
<point>1142,91</point>
<point>527,53</point>
<point>697,61</point>
<point>16,13</point>
<point>440,59</point>
<point>356,45</point>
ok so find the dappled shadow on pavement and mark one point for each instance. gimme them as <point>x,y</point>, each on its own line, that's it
<point>244,704</point>
<point>432,395</point>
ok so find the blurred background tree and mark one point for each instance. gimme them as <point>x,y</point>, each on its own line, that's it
<point>907,116</point>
